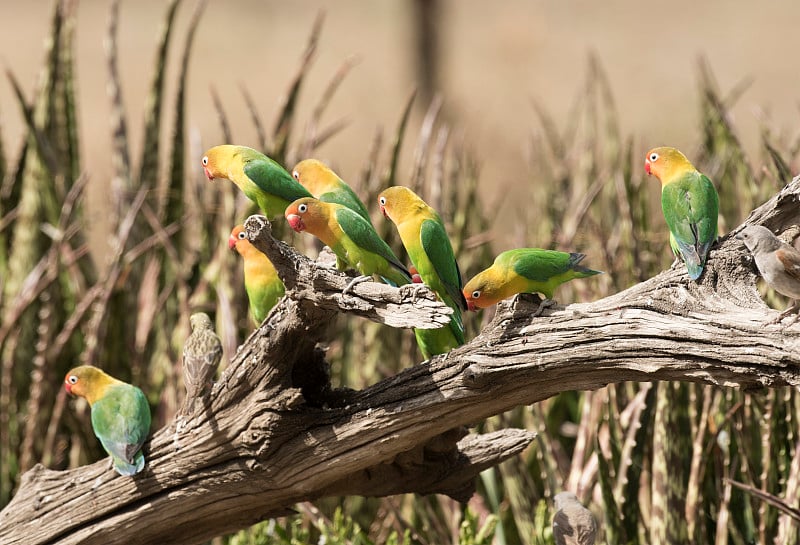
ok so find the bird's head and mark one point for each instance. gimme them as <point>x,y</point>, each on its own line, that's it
<point>86,381</point>
<point>665,163</point>
<point>237,234</point>
<point>312,174</point>
<point>216,159</point>
<point>303,214</point>
<point>398,203</point>
<point>200,320</point>
<point>479,292</point>
<point>758,238</point>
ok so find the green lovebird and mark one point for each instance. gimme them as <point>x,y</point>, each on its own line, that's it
<point>325,185</point>
<point>261,179</point>
<point>425,239</point>
<point>261,281</point>
<point>352,238</point>
<point>524,270</point>
<point>120,415</point>
<point>690,205</point>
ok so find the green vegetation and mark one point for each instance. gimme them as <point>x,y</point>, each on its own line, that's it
<point>60,306</point>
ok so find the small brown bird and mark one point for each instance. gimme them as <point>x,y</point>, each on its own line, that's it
<point>201,355</point>
<point>573,524</point>
<point>778,263</point>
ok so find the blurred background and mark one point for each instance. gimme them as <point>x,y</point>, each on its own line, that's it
<point>529,128</point>
<point>488,64</point>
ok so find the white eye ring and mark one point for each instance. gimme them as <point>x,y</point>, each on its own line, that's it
<point>383,201</point>
<point>73,379</point>
<point>296,175</point>
<point>242,235</point>
<point>653,157</point>
<point>205,161</point>
<point>302,208</point>
<point>476,294</point>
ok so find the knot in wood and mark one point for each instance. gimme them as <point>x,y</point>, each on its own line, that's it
<point>474,376</point>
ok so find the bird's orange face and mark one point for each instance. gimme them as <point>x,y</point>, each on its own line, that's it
<point>74,383</point>
<point>211,163</point>
<point>652,163</point>
<point>237,234</point>
<point>298,213</point>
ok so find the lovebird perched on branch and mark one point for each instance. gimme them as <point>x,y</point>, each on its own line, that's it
<point>425,239</point>
<point>261,179</point>
<point>524,270</point>
<point>690,205</point>
<point>261,281</point>
<point>352,238</point>
<point>325,185</point>
<point>120,415</point>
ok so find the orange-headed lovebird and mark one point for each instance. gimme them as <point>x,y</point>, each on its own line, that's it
<point>524,270</point>
<point>425,239</point>
<point>350,236</point>
<point>690,205</point>
<point>325,185</point>
<point>120,415</point>
<point>261,179</point>
<point>261,281</point>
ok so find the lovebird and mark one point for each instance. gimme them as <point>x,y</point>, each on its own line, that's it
<point>778,263</point>
<point>425,239</point>
<point>261,281</point>
<point>352,238</point>
<point>690,205</point>
<point>524,270</point>
<point>261,179</point>
<point>325,185</point>
<point>573,524</point>
<point>202,353</point>
<point>120,415</point>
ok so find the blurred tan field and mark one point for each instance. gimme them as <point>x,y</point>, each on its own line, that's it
<point>493,63</point>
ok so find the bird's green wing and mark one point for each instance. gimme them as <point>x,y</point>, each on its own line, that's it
<point>273,179</point>
<point>345,196</point>
<point>541,265</point>
<point>365,237</point>
<point>440,253</point>
<point>121,420</point>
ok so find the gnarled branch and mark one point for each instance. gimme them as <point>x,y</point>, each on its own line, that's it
<point>275,433</point>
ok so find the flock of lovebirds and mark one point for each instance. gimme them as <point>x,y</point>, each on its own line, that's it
<point>315,200</point>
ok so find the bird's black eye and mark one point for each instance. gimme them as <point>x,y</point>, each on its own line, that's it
<point>302,208</point>
<point>242,235</point>
<point>383,201</point>
<point>296,175</point>
<point>653,157</point>
<point>72,379</point>
<point>476,294</point>
<point>205,161</point>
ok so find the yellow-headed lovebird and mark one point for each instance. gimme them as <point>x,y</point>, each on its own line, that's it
<point>261,179</point>
<point>425,239</point>
<point>351,237</point>
<point>261,281</point>
<point>120,415</point>
<point>202,353</point>
<point>524,270</point>
<point>325,185</point>
<point>690,205</point>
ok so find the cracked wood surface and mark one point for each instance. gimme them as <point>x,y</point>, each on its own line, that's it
<point>275,433</point>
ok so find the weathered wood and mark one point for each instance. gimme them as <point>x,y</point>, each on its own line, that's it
<point>275,433</point>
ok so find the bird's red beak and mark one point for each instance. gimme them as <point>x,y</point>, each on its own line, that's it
<point>232,242</point>
<point>647,168</point>
<point>68,387</point>
<point>295,222</point>
<point>471,305</point>
<point>208,173</point>
<point>383,211</point>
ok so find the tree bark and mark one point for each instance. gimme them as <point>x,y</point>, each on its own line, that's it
<point>273,432</point>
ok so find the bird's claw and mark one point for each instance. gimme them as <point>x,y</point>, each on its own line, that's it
<point>546,303</point>
<point>354,281</point>
<point>412,289</point>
